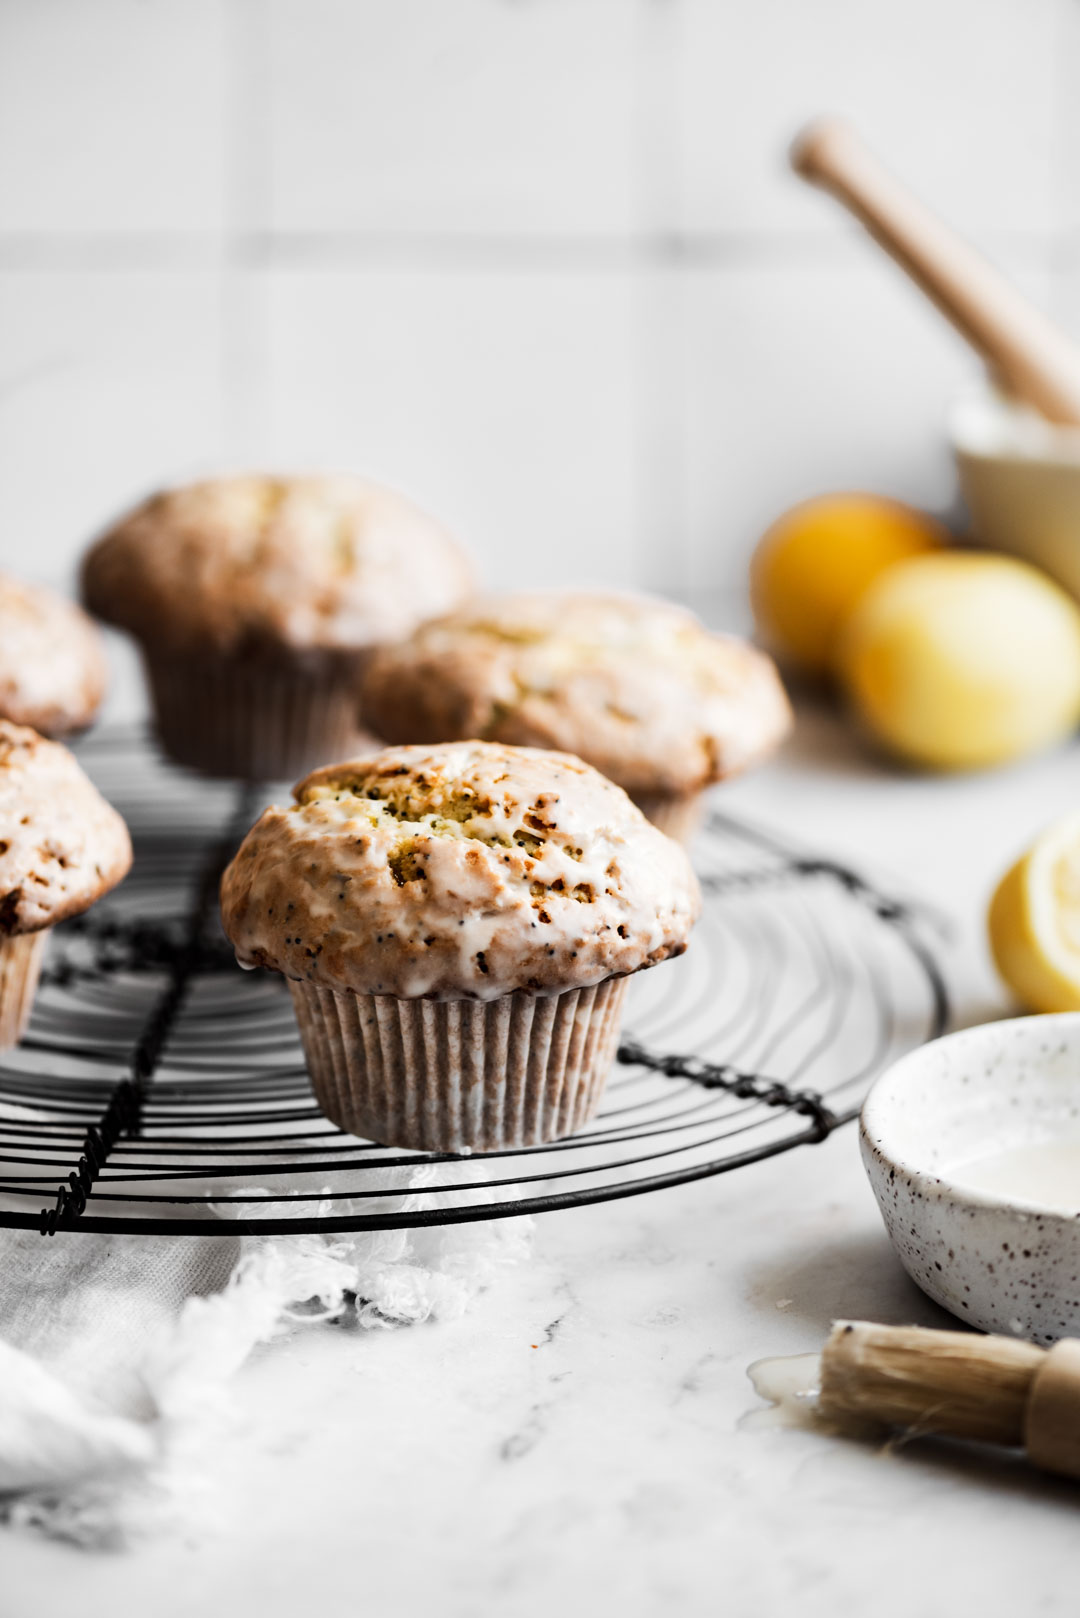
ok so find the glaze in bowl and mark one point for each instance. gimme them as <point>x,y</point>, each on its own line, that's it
<point>1000,1263</point>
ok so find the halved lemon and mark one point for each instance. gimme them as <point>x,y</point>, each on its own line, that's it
<point>1034,921</point>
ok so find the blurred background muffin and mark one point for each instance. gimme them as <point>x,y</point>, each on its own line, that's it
<point>61,848</point>
<point>256,601</point>
<point>457,924</point>
<point>52,660</point>
<point>636,687</point>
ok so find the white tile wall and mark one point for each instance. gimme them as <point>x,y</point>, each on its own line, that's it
<point>506,402</point>
<point>822,374</point>
<point>1067,106</point>
<point>109,382</point>
<point>959,94</point>
<point>502,117</point>
<point>538,261</point>
<point>113,115</point>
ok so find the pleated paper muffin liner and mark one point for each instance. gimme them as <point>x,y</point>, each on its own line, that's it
<point>460,1075</point>
<point>20,967</point>
<point>252,720</point>
<point>679,814</point>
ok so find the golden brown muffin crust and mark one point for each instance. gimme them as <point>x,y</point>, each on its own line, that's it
<point>320,565</point>
<point>52,660</point>
<point>637,687</point>
<point>461,871</point>
<point>61,845</point>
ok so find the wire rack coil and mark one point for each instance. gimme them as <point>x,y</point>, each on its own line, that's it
<point>160,1090</point>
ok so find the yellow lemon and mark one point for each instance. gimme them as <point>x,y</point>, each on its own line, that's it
<point>816,562</point>
<point>960,660</point>
<point>1034,922</point>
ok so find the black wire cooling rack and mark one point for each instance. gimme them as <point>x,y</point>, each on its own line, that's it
<point>160,1090</point>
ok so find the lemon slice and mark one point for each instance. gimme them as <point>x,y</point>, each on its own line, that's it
<point>1034,921</point>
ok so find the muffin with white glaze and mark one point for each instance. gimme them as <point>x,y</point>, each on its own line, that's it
<point>457,924</point>
<point>256,602</point>
<point>52,660</point>
<point>636,687</point>
<point>61,848</point>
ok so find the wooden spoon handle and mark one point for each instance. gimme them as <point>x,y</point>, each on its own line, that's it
<point>1025,350</point>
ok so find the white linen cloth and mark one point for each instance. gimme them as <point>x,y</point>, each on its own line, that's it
<point>116,1351</point>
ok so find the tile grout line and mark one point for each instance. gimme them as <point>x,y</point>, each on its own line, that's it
<point>244,337</point>
<point>253,250</point>
<point>660,414</point>
<point>1064,255</point>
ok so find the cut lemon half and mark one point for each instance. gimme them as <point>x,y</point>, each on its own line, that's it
<point>1034,921</point>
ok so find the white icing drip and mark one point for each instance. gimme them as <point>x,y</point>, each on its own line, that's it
<point>529,871</point>
<point>790,1384</point>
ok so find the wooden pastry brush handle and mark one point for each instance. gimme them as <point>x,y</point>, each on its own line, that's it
<point>1025,351</point>
<point>994,1389</point>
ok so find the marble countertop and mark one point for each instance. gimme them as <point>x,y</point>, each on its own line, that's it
<point>577,1443</point>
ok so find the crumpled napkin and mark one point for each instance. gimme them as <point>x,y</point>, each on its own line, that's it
<point>116,1351</point>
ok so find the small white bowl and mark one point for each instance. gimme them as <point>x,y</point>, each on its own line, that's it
<point>997,1262</point>
<point>1020,476</point>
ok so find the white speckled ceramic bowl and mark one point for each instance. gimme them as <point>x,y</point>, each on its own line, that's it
<point>1004,1265</point>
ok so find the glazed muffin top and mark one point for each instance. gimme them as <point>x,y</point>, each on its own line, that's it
<point>61,845</point>
<point>326,565</point>
<point>637,687</point>
<point>463,871</point>
<point>52,660</point>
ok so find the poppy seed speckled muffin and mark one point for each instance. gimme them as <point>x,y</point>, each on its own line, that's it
<point>256,602</point>
<point>61,848</point>
<point>52,660</point>
<point>636,687</point>
<point>457,924</point>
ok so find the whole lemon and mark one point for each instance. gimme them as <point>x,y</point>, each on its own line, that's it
<point>815,563</point>
<point>959,660</point>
